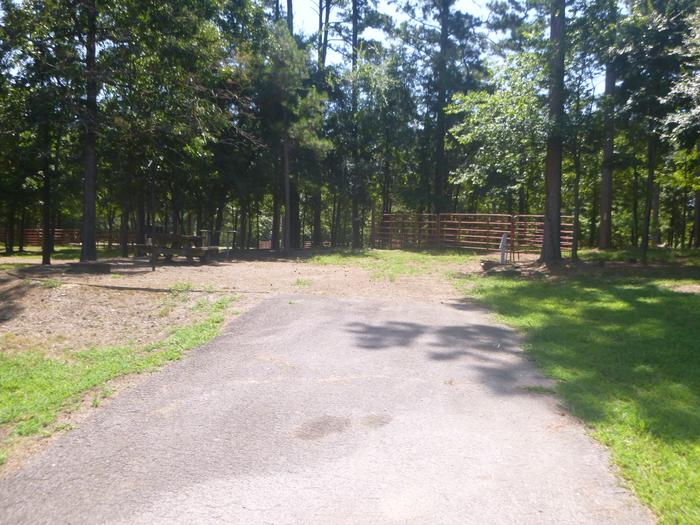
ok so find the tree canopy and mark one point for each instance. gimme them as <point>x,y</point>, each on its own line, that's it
<point>122,118</point>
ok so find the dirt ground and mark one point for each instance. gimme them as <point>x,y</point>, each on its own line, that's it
<point>57,310</point>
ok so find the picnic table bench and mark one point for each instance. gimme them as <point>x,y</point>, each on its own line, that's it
<point>169,245</point>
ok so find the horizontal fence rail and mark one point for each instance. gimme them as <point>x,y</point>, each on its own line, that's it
<point>35,236</point>
<point>473,231</point>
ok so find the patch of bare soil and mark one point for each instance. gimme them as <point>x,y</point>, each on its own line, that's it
<point>55,310</point>
<point>687,288</point>
<point>60,313</point>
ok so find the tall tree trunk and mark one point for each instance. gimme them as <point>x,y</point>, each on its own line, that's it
<point>287,227</point>
<point>140,221</point>
<point>592,218</point>
<point>22,224</point>
<point>10,228</point>
<point>577,202</point>
<point>672,221</point>
<point>324,8</point>
<point>316,237</point>
<point>243,228</point>
<point>290,17</point>
<point>249,235</point>
<point>110,226</point>
<point>124,232</point>
<point>357,186</point>
<point>655,210</point>
<point>606,178</point>
<point>89,241</point>
<point>683,229</point>
<point>386,186</point>
<point>551,245</point>
<point>335,227</point>
<point>294,219</point>
<point>326,27</point>
<point>635,208</point>
<point>696,220</point>
<point>46,190</point>
<point>356,236</point>
<point>440,176</point>
<point>651,169</point>
<point>276,205</point>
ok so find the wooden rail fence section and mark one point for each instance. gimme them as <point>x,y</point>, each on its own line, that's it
<point>473,231</point>
<point>34,236</point>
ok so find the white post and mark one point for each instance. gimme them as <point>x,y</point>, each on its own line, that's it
<point>504,248</point>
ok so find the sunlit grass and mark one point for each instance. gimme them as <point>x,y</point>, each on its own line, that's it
<point>13,266</point>
<point>36,388</point>
<point>390,264</point>
<point>626,353</point>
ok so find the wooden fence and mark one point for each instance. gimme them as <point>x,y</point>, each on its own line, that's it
<point>473,231</point>
<point>35,236</point>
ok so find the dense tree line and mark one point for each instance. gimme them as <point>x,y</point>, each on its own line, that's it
<point>188,115</point>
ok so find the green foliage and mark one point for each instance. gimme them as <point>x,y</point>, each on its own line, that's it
<point>503,129</point>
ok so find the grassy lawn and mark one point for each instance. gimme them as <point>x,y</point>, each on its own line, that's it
<point>36,388</point>
<point>390,264</point>
<point>655,255</point>
<point>625,350</point>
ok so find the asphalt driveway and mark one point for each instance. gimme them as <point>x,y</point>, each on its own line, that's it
<point>318,410</point>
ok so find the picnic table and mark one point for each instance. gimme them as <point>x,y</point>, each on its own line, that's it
<point>169,245</point>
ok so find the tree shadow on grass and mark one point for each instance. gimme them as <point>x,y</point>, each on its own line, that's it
<point>621,347</point>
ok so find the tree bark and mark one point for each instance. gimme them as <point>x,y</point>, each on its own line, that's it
<point>326,27</point>
<point>696,221</point>
<point>577,203</point>
<point>140,221</point>
<point>635,208</point>
<point>655,209</point>
<point>88,239</point>
<point>124,232</point>
<point>316,237</point>
<point>592,218</point>
<point>294,218</point>
<point>357,186</point>
<point>287,198</point>
<point>10,228</point>
<point>22,223</point>
<point>551,245</point>
<point>606,178</point>
<point>290,17</point>
<point>651,172</point>
<point>275,235</point>
<point>46,190</point>
<point>440,176</point>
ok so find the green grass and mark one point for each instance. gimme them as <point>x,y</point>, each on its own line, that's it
<point>654,256</point>
<point>181,288</point>
<point>301,281</point>
<point>35,388</point>
<point>390,264</point>
<point>13,266</point>
<point>626,353</point>
<point>48,283</point>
